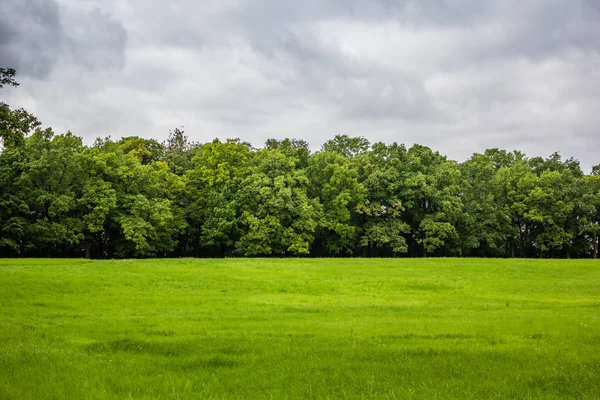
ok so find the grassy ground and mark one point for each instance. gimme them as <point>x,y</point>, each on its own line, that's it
<point>398,329</point>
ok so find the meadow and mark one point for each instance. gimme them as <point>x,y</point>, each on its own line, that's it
<point>299,329</point>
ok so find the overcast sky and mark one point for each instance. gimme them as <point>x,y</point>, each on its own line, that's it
<point>459,76</point>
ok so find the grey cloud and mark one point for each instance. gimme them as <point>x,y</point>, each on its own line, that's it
<point>36,34</point>
<point>185,24</point>
<point>94,39</point>
<point>487,32</point>
<point>534,29</point>
<point>554,27</point>
<point>399,99</point>
<point>30,35</point>
<point>456,75</point>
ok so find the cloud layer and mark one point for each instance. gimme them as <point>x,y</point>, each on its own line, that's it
<point>457,75</point>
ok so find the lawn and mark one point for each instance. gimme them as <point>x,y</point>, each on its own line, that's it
<point>299,328</point>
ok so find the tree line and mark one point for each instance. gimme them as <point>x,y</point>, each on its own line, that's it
<point>137,197</point>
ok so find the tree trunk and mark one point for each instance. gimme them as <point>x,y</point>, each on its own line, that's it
<point>88,249</point>
<point>596,248</point>
<point>512,249</point>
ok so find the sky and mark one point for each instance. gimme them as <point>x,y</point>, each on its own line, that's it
<point>459,76</point>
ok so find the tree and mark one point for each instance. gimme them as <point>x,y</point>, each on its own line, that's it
<point>481,228</point>
<point>40,205</point>
<point>513,187</point>
<point>212,210</point>
<point>589,227</point>
<point>334,183</point>
<point>277,216</point>
<point>347,146</point>
<point>179,151</point>
<point>431,196</point>
<point>7,77</point>
<point>551,208</point>
<point>295,148</point>
<point>14,124</point>
<point>98,201</point>
<point>145,150</point>
<point>383,227</point>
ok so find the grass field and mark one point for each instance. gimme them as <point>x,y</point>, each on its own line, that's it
<point>302,329</point>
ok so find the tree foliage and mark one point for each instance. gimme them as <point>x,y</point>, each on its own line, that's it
<point>137,197</point>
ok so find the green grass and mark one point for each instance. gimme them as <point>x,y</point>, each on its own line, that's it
<point>302,329</point>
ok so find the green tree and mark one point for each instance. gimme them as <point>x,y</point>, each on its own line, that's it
<point>383,172</point>
<point>277,216</point>
<point>180,151</point>
<point>212,209</point>
<point>431,196</point>
<point>145,150</point>
<point>483,230</point>
<point>40,204</point>
<point>513,186</point>
<point>347,146</point>
<point>15,125</point>
<point>589,225</point>
<point>334,183</point>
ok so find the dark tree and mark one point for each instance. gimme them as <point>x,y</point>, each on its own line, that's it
<point>7,77</point>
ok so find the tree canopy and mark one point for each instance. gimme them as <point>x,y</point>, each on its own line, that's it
<point>137,197</point>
